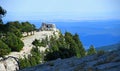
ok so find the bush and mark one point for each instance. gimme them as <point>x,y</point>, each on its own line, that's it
<point>37,43</point>
<point>91,50</point>
<point>4,49</point>
<point>32,59</point>
<point>61,53</point>
<point>13,42</point>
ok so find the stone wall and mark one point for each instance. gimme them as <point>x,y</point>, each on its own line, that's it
<point>47,27</point>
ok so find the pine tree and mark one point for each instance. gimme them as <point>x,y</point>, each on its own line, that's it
<point>36,43</point>
<point>79,49</point>
<point>91,50</point>
<point>2,14</point>
<point>4,49</point>
<point>13,42</point>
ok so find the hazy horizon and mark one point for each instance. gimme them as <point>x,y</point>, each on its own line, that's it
<point>61,10</point>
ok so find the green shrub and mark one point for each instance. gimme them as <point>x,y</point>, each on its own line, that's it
<point>13,42</point>
<point>32,59</point>
<point>4,49</point>
<point>91,50</point>
<point>37,43</point>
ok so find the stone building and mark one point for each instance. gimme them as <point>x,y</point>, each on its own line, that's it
<point>47,27</point>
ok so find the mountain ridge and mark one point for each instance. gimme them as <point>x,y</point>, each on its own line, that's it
<point>109,47</point>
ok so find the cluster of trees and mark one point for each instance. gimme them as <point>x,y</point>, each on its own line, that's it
<point>4,49</point>
<point>67,46</point>
<point>17,28</point>
<point>11,34</point>
<point>32,60</point>
<point>63,47</point>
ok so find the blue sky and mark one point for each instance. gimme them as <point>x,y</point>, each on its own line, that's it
<point>61,9</point>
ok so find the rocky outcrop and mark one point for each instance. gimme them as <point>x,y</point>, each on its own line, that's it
<point>107,62</point>
<point>9,64</point>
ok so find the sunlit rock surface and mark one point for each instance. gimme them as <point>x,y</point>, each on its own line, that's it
<point>9,64</point>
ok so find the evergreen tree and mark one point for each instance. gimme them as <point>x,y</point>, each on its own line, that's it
<point>32,59</point>
<point>4,49</point>
<point>64,47</point>
<point>80,51</point>
<point>34,28</point>
<point>27,27</point>
<point>22,63</point>
<point>13,28</point>
<point>36,43</point>
<point>43,42</point>
<point>2,30</point>
<point>91,50</point>
<point>68,38</point>
<point>13,42</point>
<point>2,13</point>
<point>2,27</point>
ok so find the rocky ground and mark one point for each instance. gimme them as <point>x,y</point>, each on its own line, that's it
<point>106,62</point>
<point>10,62</point>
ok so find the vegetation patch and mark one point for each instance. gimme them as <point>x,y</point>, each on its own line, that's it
<point>32,60</point>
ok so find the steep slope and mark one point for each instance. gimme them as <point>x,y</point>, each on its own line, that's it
<point>109,47</point>
<point>107,62</point>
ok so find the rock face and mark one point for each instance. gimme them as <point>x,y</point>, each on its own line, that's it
<point>48,27</point>
<point>107,62</point>
<point>9,64</point>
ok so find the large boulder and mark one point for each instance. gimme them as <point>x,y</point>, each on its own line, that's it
<point>9,64</point>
